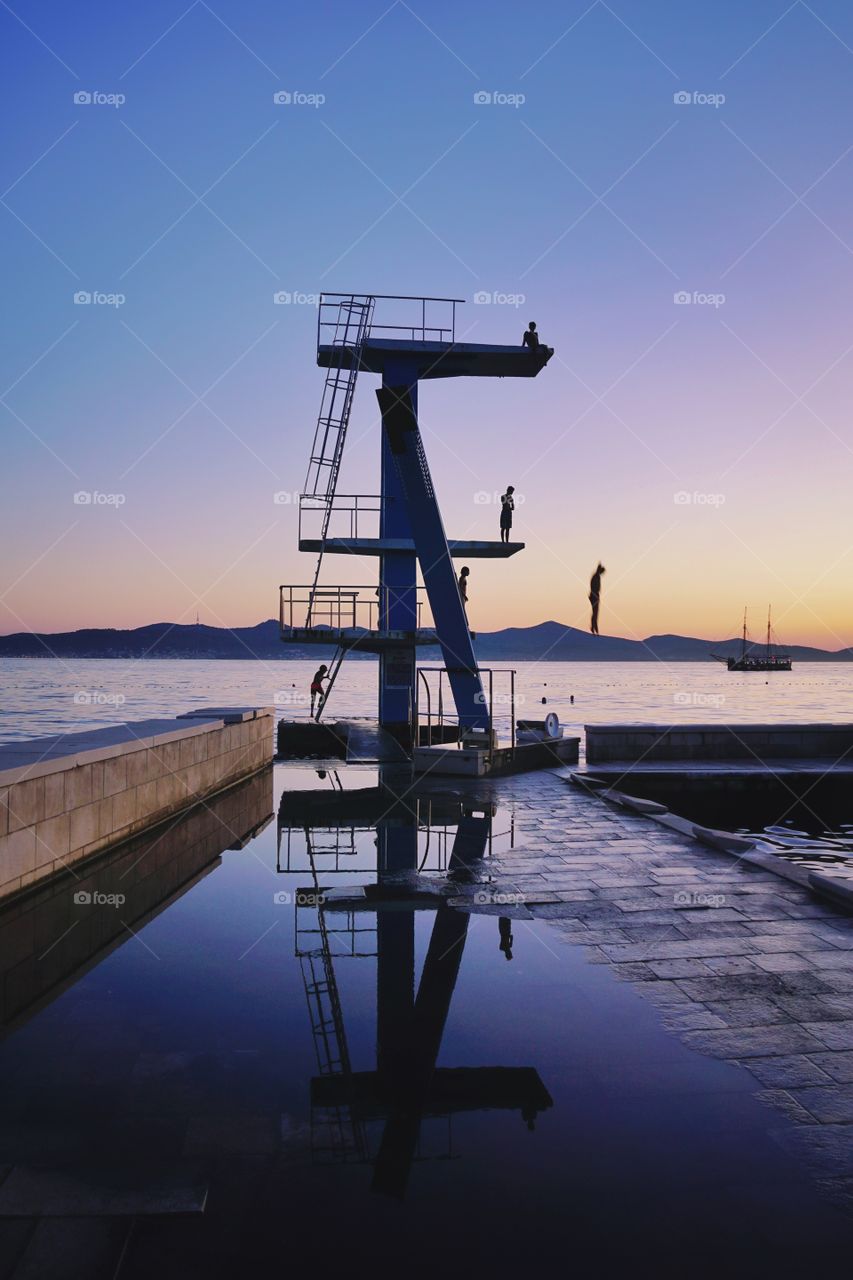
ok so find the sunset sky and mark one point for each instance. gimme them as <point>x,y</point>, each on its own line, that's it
<point>187,396</point>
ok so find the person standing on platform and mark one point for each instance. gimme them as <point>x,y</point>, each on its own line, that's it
<point>595,596</point>
<point>462,583</point>
<point>507,508</point>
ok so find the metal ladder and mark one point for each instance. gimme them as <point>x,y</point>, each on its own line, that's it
<point>334,668</point>
<point>351,329</point>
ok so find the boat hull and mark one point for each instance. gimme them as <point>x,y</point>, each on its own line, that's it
<point>759,664</point>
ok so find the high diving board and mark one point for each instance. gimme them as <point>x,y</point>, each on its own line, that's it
<point>439,359</point>
<point>460,549</point>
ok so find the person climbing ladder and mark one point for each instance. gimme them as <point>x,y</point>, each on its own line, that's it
<point>317,690</point>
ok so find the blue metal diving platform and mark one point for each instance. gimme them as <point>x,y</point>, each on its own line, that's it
<point>405,340</point>
<point>459,550</point>
<point>443,359</point>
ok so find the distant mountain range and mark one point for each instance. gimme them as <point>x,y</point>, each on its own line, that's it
<point>548,641</point>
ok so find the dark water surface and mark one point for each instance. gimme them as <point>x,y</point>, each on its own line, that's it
<point>513,1114</point>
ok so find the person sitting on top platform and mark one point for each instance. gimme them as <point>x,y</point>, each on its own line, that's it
<point>534,346</point>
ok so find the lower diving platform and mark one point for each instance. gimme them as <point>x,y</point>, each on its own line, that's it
<point>361,638</point>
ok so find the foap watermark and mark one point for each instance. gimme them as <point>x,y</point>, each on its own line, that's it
<point>497,98</point>
<point>500,699</point>
<point>696,298</point>
<point>85,898</point>
<point>485,899</point>
<point>285,298</point>
<point>98,698</point>
<point>296,98</point>
<point>94,498</point>
<point>96,298</point>
<point>696,698</point>
<point>695,98</point>
<point>94,98</point>
<point>684,899</point>
<point>685,499</point>
<point>483,298</point>
<point>301,898</point>
<point>482,498</point>
<point>291,698</point>
<point>286,497</point>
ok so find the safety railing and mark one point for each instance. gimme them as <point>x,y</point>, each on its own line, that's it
<point>431,712</point>
<point>340,608</point>
<point>420,319</point>
<point>346,515</point>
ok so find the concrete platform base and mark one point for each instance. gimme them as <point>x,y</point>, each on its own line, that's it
<point>474,762</point>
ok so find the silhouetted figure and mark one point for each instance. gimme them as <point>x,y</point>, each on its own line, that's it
<point>534,345</point>
<point>507,508</point>
<point>531,337</point>
<point>505,929</point>
<point>317,685</point>
<point>462,583</point>
<point>595,597</point>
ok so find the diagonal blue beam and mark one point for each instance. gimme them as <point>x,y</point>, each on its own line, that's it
<point>404,439</point>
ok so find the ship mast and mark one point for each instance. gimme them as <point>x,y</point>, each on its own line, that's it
<point>743,643</point>
<point>768,634</point>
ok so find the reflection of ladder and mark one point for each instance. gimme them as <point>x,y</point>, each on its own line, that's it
<point>351,328</point>
<point>344,1135</point>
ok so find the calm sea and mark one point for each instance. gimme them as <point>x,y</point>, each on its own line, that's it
<point>42,696</point>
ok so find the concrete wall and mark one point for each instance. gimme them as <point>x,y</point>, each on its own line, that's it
<point>52,935</point>
<point>65,798</point>
<point>754,742</point>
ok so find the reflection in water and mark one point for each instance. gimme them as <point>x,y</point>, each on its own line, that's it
<point>52,936</point>
<point>413,836</point>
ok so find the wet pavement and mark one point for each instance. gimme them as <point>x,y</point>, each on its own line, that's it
<point>388,1024</point>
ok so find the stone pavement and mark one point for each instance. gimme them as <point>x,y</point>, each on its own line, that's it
<point>743,965</point>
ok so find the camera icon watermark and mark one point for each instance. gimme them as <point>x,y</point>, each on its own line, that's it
<point>96,298</point>
<point>684,899</point>
<point>94,498</point>
<point>300,898</point>
<point>484,898</point>
<point>97,698</point>
<point>285,298</point>
<point>85,898</point>
<point>695,98</point>
<point>484,298</point>
<point>684,499</point>
<point>291,698</point>
<point>286,497</point>
<point>94,98</point>
<point>698,698</point>
<point>295,98</point>
<point>696,298</point>
<point>482,498</point>
<point>497,98</point>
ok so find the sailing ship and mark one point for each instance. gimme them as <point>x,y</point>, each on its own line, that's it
<point>768,660</point>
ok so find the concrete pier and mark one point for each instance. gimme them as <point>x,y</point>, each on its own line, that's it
<point>752,742</point>
<point>67,797</point>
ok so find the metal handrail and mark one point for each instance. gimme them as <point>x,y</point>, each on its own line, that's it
<point>443,333</point>
<point>422,673</point>
<point>351,504</point>
<point>338,607</point>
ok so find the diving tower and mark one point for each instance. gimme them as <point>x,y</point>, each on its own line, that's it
<point>404,340</point>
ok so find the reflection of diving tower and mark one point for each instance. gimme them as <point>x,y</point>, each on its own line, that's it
<point>376,1116</point>
<point>405,340</point>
